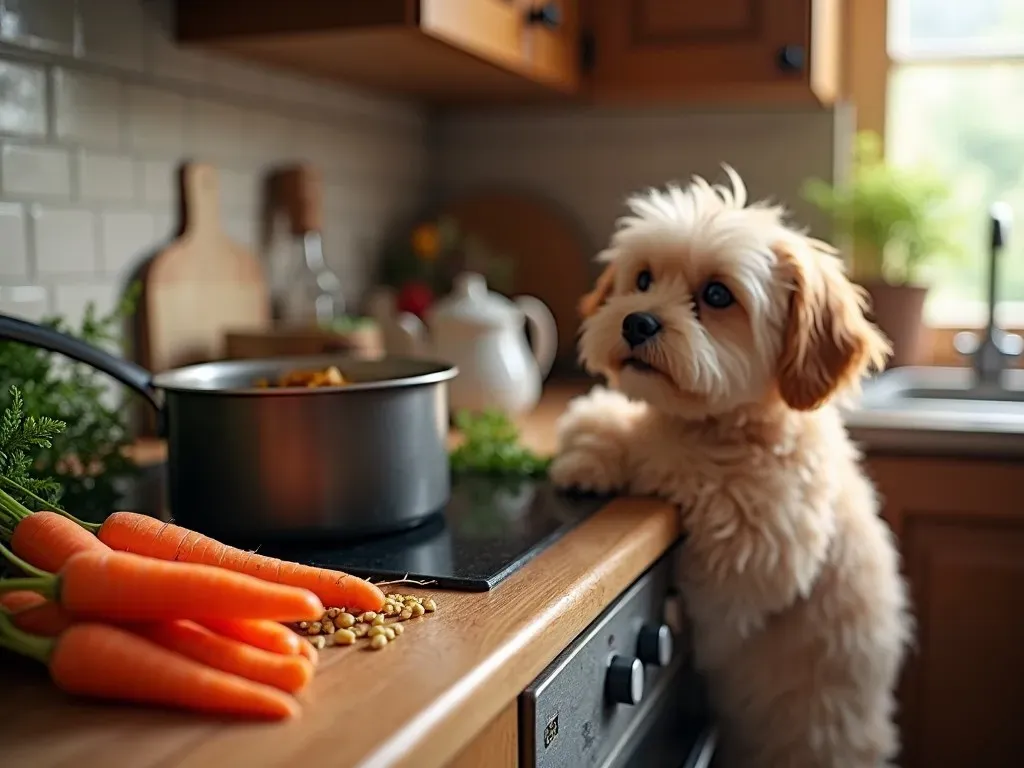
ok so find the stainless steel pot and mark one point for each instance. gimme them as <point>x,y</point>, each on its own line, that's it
<point>249,464</point>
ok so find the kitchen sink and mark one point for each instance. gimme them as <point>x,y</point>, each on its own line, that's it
<point>944,391</point>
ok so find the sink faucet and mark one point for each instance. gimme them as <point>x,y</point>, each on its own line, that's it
<point>995,347</point>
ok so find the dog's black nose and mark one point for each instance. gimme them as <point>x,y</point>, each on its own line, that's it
<point>638,327</point>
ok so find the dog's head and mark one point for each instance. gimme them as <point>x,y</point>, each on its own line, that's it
<point>708,304</point>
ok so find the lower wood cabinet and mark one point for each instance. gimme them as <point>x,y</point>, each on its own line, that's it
<point>960,525</point>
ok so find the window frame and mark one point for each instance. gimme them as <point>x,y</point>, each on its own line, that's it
<point>867,69</point>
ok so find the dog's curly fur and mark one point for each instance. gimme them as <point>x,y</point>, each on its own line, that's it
<point>791,579</point>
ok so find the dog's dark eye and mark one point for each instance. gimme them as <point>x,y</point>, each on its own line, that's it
<point>644,280</point>
<point>717,296</point>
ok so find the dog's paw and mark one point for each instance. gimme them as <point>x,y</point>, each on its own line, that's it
<point>588,470</point>
<point>601,414</point>
<point>593,442</point>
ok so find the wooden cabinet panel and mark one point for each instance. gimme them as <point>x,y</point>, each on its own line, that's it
<point>960,526</point>
<point>442,51</point>
<point>553,50</point>
<point>491,29</point>
<point>743,50</point>
<point>497,746</point>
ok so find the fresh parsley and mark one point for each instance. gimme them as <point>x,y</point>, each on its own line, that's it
<point>86,459</point>
<point>21,437</point>
<point>491,446</point>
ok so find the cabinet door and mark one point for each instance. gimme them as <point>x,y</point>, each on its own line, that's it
<point>552,44</point>
<point>491,29</point>
<point>960,526</point>
<point>776,50</point>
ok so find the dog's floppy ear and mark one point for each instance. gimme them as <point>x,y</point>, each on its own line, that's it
<point>592,301</point>
<point>829,343</point>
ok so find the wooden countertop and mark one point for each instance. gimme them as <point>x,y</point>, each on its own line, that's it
<point>415,704</point>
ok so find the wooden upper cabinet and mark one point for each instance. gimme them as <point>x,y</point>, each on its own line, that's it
<point>714,50</point>
<point>436,50</point>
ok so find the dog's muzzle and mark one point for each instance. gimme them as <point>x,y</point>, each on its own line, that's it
<point>639,328</point>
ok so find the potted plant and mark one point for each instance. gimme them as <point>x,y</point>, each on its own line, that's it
<point>898,221</point>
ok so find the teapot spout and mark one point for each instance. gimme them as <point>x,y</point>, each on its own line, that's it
<point>410,336</point>
<point>403,333</point>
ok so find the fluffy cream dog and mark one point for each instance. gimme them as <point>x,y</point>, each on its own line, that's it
<point>727,337</point>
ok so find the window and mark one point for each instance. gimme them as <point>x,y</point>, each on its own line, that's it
<point>955,100</point>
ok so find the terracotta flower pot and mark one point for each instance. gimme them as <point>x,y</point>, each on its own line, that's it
<point>898,310</point>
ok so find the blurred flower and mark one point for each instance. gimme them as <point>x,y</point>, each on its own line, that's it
<point>426,241</point>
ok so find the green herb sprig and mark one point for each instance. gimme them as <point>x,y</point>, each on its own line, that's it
<point>21,436</point>
<point>87,459</point>
<point>491,447</point>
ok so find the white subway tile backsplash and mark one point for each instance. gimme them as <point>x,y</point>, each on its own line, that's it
<point>111,32</point>
<point>41,24</point>
<point>88,109</point>
<point>126,236</point>
<point>165,227</point>
<point>239,193</point>
<point>65,240</point>
<point>162,57</point>
<point>22,99</point>
<point>238,76</point>
<point>216,129</point>
<point>104,177</point>
<point>96,120</point>
<point>156,119</point>
<point>70,300</point>
<point>161,182</point>
<point>28,171</point>
<point>29,302</point>
<point>13,248</point>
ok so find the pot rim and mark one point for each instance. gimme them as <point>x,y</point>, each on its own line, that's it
<point>203,378</point>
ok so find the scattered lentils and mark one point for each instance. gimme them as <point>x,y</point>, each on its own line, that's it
<point>340,627</point>
<point>344,637</point>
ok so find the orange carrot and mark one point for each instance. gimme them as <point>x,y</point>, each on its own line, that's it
<point>33,613</point>
<point>120,586</point>
<point>109,662</point>
<point>144,535</point>
<point>266,635</point>
<point>307,650</point>
<point>46,540</point>
<point>127,587</point>
<point>290,673</point>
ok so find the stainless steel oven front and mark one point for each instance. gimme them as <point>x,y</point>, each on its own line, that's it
<point>624,694</point>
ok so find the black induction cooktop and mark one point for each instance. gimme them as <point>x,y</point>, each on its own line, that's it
<point>490,528</point>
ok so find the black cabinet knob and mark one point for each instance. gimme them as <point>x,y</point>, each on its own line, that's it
<point>791,58</point>
<point>624,683</point>
<point>654,645</point>
<point>548,15</point>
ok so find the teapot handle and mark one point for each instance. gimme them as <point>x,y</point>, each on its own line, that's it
<point>543,331</point>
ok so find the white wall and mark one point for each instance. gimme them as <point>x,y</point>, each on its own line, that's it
<point>588,160</point>
<point>97,110</point>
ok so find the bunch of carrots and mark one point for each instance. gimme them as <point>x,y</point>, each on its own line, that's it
<point>139,610</point>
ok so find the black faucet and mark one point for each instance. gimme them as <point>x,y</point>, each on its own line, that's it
<point>990,352</point>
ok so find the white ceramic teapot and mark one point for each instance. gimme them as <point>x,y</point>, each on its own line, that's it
<point>482,333</point>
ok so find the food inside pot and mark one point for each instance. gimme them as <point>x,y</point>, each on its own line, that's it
<point>328,377</point>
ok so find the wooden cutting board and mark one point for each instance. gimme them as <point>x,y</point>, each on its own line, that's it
<point>551,253</point>
<point>201,286</point>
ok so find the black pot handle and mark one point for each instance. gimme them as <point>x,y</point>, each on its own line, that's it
<point>125,371</point>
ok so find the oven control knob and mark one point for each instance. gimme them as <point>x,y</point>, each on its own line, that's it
<point>624,683</point>
<point>654,645</point>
